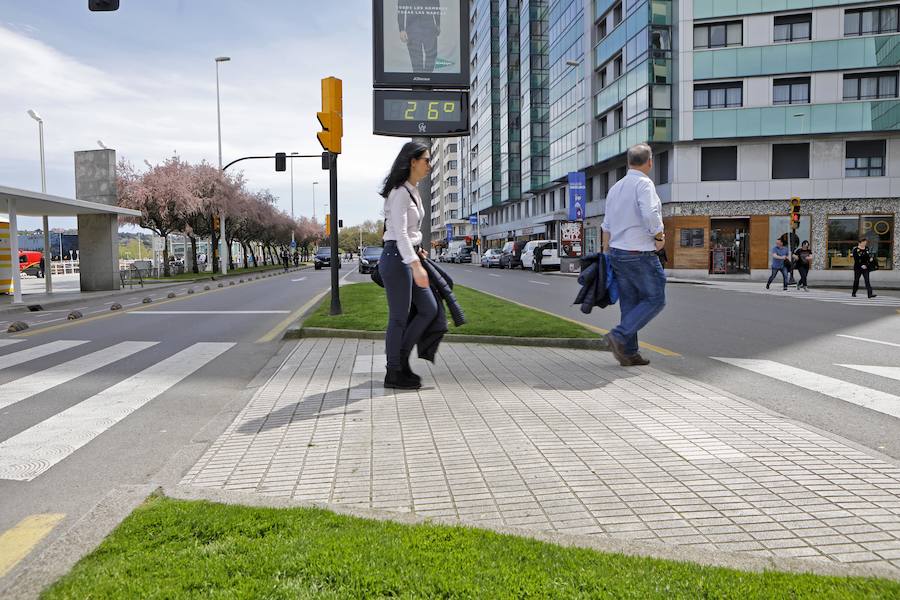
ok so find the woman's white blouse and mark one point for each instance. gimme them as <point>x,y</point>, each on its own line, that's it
<point>403,217</point>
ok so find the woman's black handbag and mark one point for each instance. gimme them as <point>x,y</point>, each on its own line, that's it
<point>376,275</point>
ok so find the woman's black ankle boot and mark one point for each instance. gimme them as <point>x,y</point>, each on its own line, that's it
<point>408,372</point>
<point>396,379</point>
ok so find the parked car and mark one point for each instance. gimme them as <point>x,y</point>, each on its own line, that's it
<point>368,259</point>
<point>463,255</point>
<point>491,258</point>
<point>322,258</point>
<point>511,255</point>
<point>444,256</point>
<point>550,260</point>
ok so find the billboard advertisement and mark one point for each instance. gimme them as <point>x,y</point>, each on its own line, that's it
<point>421,43</point>
<point>576,196</point>
<point>571,236</point>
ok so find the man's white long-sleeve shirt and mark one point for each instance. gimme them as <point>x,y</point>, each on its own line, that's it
<point>403,220</point>
<point>633,213</point>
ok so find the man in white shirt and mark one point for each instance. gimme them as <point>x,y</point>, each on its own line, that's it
<point>634,234</point>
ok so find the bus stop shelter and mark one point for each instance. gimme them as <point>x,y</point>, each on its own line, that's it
<point>97,230</point>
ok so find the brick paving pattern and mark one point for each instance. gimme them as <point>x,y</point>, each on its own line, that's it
<point>557,440</point>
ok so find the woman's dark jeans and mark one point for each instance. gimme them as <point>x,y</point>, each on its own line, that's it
<point>804,271</point>
<point>864,273</point>
<point>402,334</point>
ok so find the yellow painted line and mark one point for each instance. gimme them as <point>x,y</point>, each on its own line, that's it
<point>600,330</point>
<point>16,543</point>
<point>278,329</point>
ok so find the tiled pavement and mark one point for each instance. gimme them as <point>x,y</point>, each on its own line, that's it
<point>557,440</point>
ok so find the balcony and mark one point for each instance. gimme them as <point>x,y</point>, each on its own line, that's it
<point>844,117</point>
<point>830,55</point>
<point>654,129</point>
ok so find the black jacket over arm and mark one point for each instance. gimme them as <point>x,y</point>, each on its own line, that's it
<point>442,288</point>
<point>593,290</point>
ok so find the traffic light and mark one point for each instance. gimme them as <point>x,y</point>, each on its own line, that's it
<point>327,224</point>
<point>280,161</point>
<point>216,222</point>
<point>103,5</point>
<point>340,223</point>
<point>795,212</point>
<point>332,116</point>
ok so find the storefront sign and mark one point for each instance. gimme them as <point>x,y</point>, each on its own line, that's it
<point>571,237</point>
<point>576,196</point>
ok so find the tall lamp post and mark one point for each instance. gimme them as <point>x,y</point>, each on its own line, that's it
<point>315,183</point>
<point>293,241</point>
<point>48,278</point>
<point>223,253</point>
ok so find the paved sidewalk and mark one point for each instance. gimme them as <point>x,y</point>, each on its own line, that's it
<point>563,441</point>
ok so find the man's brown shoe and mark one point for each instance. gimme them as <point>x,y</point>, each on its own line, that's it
<point>618,350</point>
<point>638,361</point>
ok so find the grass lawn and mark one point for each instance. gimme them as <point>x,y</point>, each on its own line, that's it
<point>365,308</point>
<point>177,549</point>
<point>204,275</point>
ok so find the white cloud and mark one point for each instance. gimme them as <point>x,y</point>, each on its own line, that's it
<point>270,94</point>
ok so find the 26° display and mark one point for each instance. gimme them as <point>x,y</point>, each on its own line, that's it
<point>421,110</point>
<point>424,113</point>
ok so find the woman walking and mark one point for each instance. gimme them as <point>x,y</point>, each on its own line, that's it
<point>804,259</point>
<point>405,279</point>
<point>862,264</point>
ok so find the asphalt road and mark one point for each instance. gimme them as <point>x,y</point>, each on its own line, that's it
<point>801,336</point>
<point>118,398</point>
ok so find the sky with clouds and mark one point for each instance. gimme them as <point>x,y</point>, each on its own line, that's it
<point>142,80</point>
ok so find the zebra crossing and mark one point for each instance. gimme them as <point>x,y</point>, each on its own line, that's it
<point>818,295</point>
<point>33,451</point>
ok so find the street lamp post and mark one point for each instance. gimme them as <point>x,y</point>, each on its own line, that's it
<point>48,278</point>
<point>315,183</point>
<point>293,242</point>
<point>223,254</point>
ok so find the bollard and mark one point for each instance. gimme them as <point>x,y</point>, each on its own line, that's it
<point>170,295</point>
<point>206,288</point>
<point>115,306</point>
<point>220,285</point>
<point>75,314</point>
<point>147,300</point>
<point>230,283</point>
<point>190,290</point>
<point>17,326</point>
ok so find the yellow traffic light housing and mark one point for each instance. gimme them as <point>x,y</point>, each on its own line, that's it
<point>332,116</point>
<point>327,225</point>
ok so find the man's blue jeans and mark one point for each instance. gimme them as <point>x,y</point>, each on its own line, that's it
<point>642,293</point>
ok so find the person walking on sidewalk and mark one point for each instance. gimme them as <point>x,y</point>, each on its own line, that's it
<point>405,279</point>
<point>862,266</point>
<point>804,259</point>
<point>780,258</point>
<point>634,227</point>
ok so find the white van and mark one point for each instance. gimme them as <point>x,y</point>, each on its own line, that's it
<point>550,247</point>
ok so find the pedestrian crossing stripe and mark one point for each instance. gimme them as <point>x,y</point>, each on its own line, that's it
<point>25,387</point>
<point>887,372</point>
<point>4,343</point>
<point>818,295</point>
<point>32,452</point>
<point>877,400</point>
<point>17,358</point>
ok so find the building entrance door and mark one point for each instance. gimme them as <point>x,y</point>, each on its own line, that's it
<point>730,237</point>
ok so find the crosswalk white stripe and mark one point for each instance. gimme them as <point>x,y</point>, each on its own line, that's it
<point>18,390</point>
<point>35,450</point>
<point>17,358</point>
<point>883,402</point>
<point>862,339</point>
<point>888,372</point>
<point>9,342</point>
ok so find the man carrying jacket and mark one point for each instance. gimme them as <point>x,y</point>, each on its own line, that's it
<point>634,234</point>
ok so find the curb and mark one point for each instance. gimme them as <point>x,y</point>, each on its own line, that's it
<point>301,332</point>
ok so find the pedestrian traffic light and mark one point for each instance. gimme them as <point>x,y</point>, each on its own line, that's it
<point>103,5</point>
<point>795,212</point>
<point>280,161</point>
<point>340,223</point>
<point>332,116</point>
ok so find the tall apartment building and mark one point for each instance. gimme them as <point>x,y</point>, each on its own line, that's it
<point>746,104</point>
<point>446,210</point>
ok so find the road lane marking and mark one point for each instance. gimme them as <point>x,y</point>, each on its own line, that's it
<point>883,402</point>
<point>211,312</point>
<point>862,339</point>
<point>24,387</point>
<point>278,329</point>
<point>9,342</point>
<point>17,358</point>
<point>34,451</point>
<point>18,542</point>
<point>538,282</point>
<point>301,279</point>
<point>888,372</point>
<point>493,275</point>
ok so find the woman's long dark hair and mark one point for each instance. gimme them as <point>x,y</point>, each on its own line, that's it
<point>400,169</point>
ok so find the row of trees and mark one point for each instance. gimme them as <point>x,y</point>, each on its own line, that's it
<point>178,197</point>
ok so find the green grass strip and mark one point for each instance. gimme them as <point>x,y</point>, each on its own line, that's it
<point>365,308</point>
<point>178,549</point>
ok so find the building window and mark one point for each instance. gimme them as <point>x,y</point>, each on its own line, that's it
<point>451,148</point>
<point>865,159</point>
<point>621,172</point>
<point>869,21</point>
<point>602,78</point>
<point>553,201</point>
<point>791,91</point>
<point>719,95</point>
<point>603,127</point>
<point>790,161</point>
<point>718,163</point>
<point>719,35</point>
<point>661,168</point>
<point>619,117</point>
<point>451,164</point>
<point>604,184</point>
<point>792,28</point>
<point>601,29</point>
<point>692,238</point>
<point>617,67</point>
<point>617,14</point>
<point>870,86</point>
<point>844,232</point>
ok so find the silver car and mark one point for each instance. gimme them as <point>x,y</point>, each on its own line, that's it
<point>491,258</point>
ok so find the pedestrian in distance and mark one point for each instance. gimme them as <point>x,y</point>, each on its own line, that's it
<point>634,227</point>
<point>40,272</point>
<point>285,259</point>
<point>804,260</point>
<point>863,264</point>
<point>405,279</point>
<point>537,256</point>
<point>296,258</point>
<point>780,258</point>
